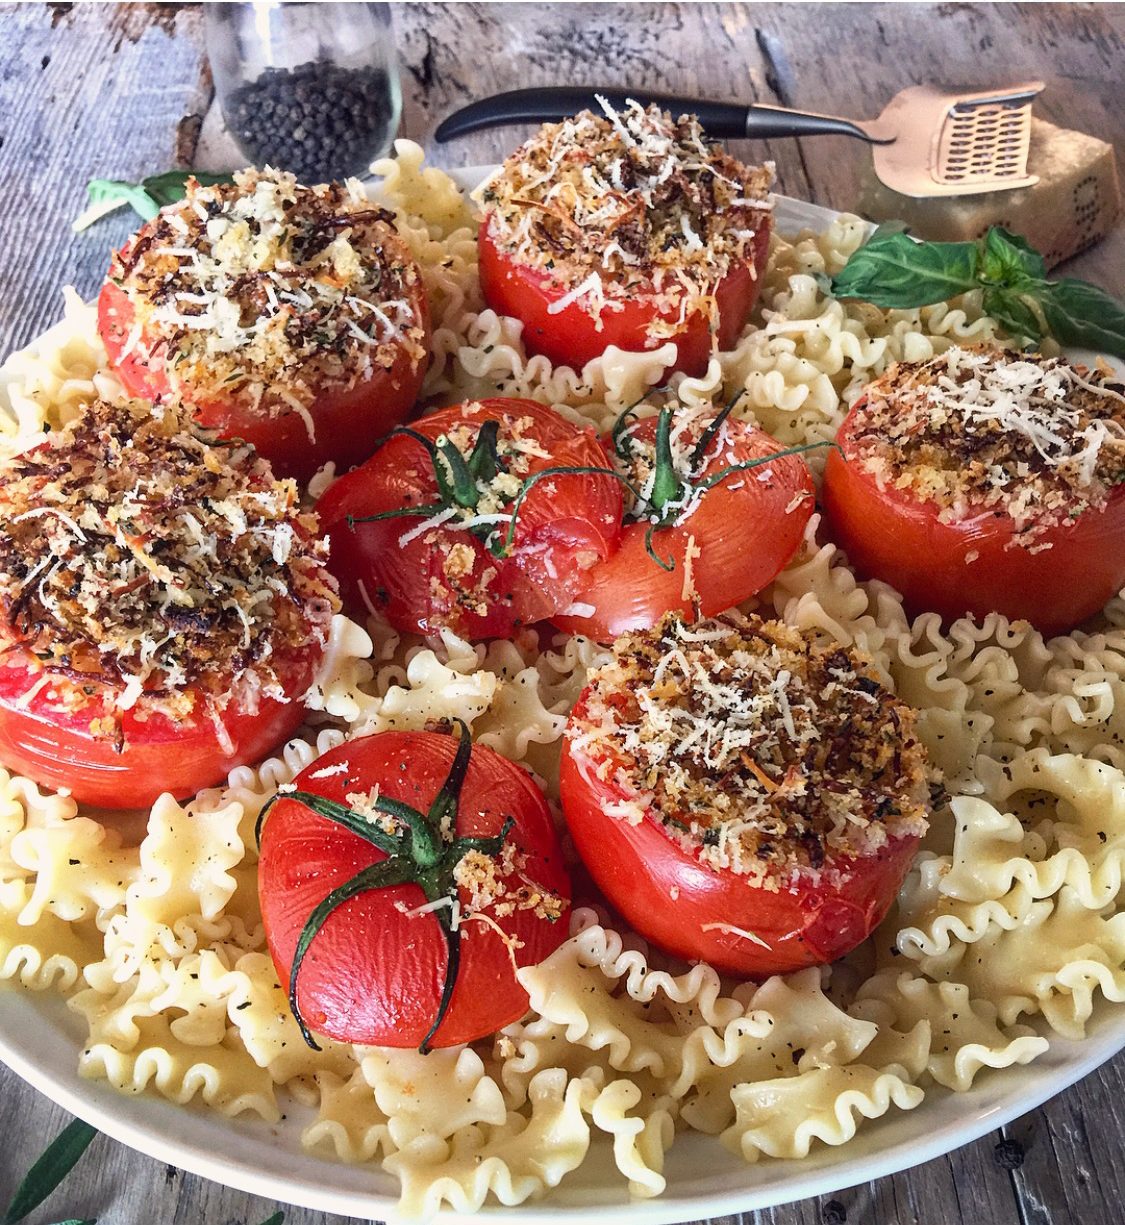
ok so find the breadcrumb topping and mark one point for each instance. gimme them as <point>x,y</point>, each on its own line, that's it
<point>607,203</point>
<point>501,886</point>
<point>976,429</point>
<point>141,555</point>
<point>760,749</point>
<point>265,291</point>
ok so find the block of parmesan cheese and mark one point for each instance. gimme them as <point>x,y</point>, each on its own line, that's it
<point>1075,203</point>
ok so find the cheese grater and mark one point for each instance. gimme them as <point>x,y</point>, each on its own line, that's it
<point>927,142</point>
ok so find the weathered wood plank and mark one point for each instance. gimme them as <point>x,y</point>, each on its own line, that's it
<point>84,92</point>
<point>101,90</point>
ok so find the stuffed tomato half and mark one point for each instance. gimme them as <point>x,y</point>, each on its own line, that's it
<point>626,229</point>
<point>165,607</point>
<point>986,481</point>
<point>293,317</point>
<point>743,794</point>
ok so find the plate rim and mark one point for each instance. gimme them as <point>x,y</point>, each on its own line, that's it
<point>26,1016</point>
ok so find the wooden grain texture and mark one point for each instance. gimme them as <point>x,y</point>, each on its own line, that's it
<point>104,90</point>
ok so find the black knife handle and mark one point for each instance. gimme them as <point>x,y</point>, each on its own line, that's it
<point>719,119</point>
<point>560,102</point>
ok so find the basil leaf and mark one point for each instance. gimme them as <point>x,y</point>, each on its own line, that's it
<point>146,198</point>
<point>1009,259</point>
<point>894,272</point>
<point>171,186</point>
<point>1082,314</point>
<point>45,1175</point>
<point>108,195</point>
<point>1013,314</point>
<point>276,1219</point>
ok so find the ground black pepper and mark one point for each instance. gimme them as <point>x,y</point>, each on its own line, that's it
<point>319,120</point>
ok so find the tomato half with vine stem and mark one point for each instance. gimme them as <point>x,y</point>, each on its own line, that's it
<point>402,882</point>
<point>480,518</point>
<point>973,564</point>
<point>644,320</point>
<point>52,736</point>
<point>719,508</point>
<point>346,420</point>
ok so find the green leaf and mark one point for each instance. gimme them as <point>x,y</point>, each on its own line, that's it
<point>45,1175</point>
<point>1009,259</point>
<point>1082,314</point>
<point>146,198</point>
<point>1013,314</point>
<point>108,195</point>
<point>894,272</point>
<point>276,1219</point>
<point>171,186</point>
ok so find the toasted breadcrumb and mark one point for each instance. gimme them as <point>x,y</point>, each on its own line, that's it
<point>265,291</point>
<point>140,554</point>
<point>759,748</point>
<point>501,887</point>
<point>603,204</point>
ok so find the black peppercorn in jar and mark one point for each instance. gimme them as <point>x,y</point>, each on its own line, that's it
<point>308,88</point>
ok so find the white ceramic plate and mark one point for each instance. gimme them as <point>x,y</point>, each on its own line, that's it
<point>41,1041</point>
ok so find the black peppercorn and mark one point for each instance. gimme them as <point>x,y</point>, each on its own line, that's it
<point>1009,1154</point>
<point>319,120</point>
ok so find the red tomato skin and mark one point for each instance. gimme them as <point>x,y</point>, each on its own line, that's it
<point>348,422</point>
<point>668,896</point>
<point>557,532</point>
<point>745,536</point>
<point>159,754</point>
<point>572,337</point>
<point>374,975</point>
<point>889,535</point>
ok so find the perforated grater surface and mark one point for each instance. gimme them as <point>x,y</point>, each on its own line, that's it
<point>947,144</point>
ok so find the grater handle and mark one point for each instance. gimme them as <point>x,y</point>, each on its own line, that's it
<point>719,119</point>
<point>763,120</point>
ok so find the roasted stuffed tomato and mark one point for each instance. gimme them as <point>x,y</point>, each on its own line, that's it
<point>293,317</point>
<point>625,229</point>
<point>986,481</point>
<point>165,607</point>
<point>479,518</point>
<point>404,878</point>
<point>717,509</point>
<point>744,795</point>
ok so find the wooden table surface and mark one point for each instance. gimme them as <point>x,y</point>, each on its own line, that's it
<point>118,91</point>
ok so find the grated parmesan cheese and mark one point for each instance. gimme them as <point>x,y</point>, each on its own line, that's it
<point>154,568</point>
<point>608,204</point>
<point>976,429</point>
<point>265,292</point>
<point>758,748</point>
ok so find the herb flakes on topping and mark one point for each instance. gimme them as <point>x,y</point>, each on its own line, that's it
<point>762,750</point>
<point>140,555</point>
<point>636,198</point>
<point>974,429</point>
<point>270,291</point>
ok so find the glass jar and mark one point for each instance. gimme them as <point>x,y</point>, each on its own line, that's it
<point>310,88</point>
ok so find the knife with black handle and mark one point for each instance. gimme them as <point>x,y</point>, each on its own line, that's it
<point>719,119</point>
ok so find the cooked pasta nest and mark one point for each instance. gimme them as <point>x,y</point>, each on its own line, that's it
<point>1004,934</point>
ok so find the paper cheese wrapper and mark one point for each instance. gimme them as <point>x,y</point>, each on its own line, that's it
<point>1074,204</point>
